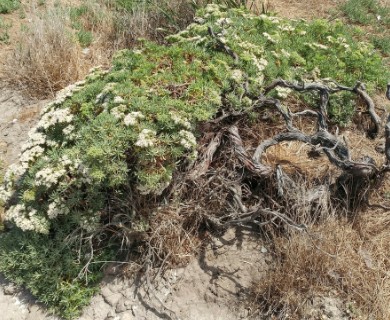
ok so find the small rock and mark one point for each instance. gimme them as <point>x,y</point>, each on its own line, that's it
<point>10,289</point>
<point>111,315</point>
<point>110,297</point>
<point>128,316</point>
<point>263,250</point>
<point>123,305</point>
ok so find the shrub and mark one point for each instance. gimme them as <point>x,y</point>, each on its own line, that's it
<point>49,268</point>
<point>112,143</point>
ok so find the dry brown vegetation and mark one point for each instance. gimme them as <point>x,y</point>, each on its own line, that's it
<point>44,54</point>
<point>333,258</point>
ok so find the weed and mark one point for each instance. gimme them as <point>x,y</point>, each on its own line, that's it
<point>85,38</point>
<point>372,14</point>
<point>49,267</point>
<point>382,43</point>
<point>1,202</point>
<point>367,12</point>
<point>7,6</point>
<point>4,35</point>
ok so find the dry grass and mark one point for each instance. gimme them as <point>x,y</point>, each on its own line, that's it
<point>47,58</point>
<point>333,258</point>
<point>170,243</point>
<point>154,20</point>
<point>295,9</point>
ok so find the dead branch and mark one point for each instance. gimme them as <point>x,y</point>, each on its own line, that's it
<point>361,91</point>
<point>387,137</point>
<point>223,46</point>
<point>250,164</point>
<point>326,90</point>
<point>207,157</point>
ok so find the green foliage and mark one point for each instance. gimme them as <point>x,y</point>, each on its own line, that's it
<point>372,14</point>
<point>293,50</point>
<point>128,130</point>
<point>49,267</point>
<point>367,12</point>
<point>7,6</point>
<point>382,43</point>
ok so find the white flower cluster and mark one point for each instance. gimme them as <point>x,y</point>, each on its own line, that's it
<point>13,173</point>
<point>260,63</point>
<point>133,118</point>
<point>249,46</point>
<point>283,93</point>
<point>27,219</point>
<point>286,28</point>
<point>269,37</point>
<point>35,138</point>
<point>62,95</point>
<point>5,194</point>
<point>52,143</point>
<point>188,140</point>
<point>49,176</point>
<point>212,8</point>
<point>54,117</point>
<point>30,155</point>
<point>236,75</point>
<point>177,119</point>
<point>68,130</point>
<point>103,96</point>
<point>223,21</point>
<point>315,45</point>
<point>90,223</point>
<point>119,111</point>
<point>118,99</point>
<point>57,208</point>
<point>342,41</point>
<point>271,19</point>
<point>215,97</point>
<point>96,73</point>
<point>146,138</point>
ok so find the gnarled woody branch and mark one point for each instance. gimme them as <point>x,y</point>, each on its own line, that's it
<point>387,138</point>
<point>336,151</point>
<point>251,165</point>
<point>326,90</point>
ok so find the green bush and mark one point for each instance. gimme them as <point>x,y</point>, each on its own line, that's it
<point>119,136</point>
<point>7,6</point>
<point>49,268</point>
